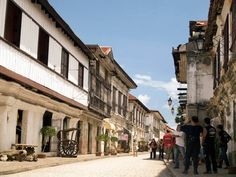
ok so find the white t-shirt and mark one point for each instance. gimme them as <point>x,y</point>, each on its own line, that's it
<point>180,139</point>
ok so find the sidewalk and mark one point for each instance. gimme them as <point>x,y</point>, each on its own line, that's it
<point>10,167</point>
<point>201,170</point>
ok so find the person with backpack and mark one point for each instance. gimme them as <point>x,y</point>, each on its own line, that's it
<point>224,138</point>
<point>193,132</point>
<point>209,147</point>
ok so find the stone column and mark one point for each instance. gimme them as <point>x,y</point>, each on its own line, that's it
<point>84,137</point>
<point>57,122</point>
<point>93,138</point>
<point>11,128</point>
<point>4,133</point>
<point>31,125</point>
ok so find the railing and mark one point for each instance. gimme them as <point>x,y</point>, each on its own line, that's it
<point>100,105</point>
<point>23,64</point>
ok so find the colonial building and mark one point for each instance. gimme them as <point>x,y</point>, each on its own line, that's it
<point>154,125</point>
<point>193,66</point>
<point>44,75</point>
<point>101,71</point>
<point>215,65</point>
<point>121,85</point>
<point>221,42</point>
<point>138,115</point>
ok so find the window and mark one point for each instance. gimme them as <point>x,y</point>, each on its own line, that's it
<point>233,12</point>
<point>119,102</point>
<point>97,67</point>
<point>64,63</point>
<point>114,99</point>
<point>13,24</point>
<point>43,46</point>
<point>226,44</point>
<point>81,75</point>
<point>124,105</point>
<point>98,88</point>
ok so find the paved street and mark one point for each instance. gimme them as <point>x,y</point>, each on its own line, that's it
<point>127,166</point>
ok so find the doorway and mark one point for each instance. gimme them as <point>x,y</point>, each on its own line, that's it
<point>47,121</point>
<point>19,126</point>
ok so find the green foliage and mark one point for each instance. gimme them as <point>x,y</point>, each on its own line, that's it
<point>103,137</point>
<point>179,119</point>
<point>114,139</point>
<point>48,131</point>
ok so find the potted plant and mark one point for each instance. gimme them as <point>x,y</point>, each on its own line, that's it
<point>105,138</point>
<point>113,145</point>
<point>47,132</point>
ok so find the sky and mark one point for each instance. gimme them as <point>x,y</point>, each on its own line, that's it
<point>141,34</point>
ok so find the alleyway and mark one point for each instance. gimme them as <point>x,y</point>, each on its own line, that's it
<point>127,166</point>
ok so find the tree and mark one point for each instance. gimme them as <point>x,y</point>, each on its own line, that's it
<point>47,133</point>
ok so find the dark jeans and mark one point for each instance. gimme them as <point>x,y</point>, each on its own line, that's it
<point>177,150</point>
<point>210,157</point>
<point>223,156</point>
<point>153,154</point>
<point>192,150</point>
<point>161,153</point>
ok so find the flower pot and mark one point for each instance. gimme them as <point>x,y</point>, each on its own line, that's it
<point>98,153</point>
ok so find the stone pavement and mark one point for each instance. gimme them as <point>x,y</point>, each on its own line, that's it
<point>201,170</point>
<point>10,167</point>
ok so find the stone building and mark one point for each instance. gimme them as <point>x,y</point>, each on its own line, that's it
<point>44,74</point>
<point>193,66</point>
<point>137,118</point>
<point>154,125</point>
<point>121,83</point>
<point>215,65</point>
<point>220,41</point>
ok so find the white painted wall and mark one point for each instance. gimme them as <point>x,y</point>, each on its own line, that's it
<point>54,55</point>
<point>29,36</point>
<point>2,16</point>
<point>86,79</point>
<point>25,66</point>
<point>191,82</point>
<point>40,17</point>
<point>73,70</point>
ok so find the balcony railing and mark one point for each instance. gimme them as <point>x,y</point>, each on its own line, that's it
<point>99,105</point>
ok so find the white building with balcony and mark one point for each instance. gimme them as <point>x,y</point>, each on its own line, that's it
<point>43,72</point>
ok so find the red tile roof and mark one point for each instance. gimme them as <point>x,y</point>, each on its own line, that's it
<point>106,50</point>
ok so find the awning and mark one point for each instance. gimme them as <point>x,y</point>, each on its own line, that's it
<point>108,125</point>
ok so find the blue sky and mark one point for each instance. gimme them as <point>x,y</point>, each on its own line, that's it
<point>142,34</point>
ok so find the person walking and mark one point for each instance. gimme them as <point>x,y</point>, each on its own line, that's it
<point>209,147</point>
<point>153,146</point>
<point>179,146</point>
<point>135,148</point>
<point>168,144</point>
<point>161,149</point>
<point>193,132</point>
<point>224,138</point>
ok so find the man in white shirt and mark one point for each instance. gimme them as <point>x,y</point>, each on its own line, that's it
<point>179,145</point>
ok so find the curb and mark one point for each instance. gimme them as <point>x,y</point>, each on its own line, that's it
<point>172,173</point>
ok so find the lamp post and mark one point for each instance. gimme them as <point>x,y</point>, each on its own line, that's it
<point>171,104</point>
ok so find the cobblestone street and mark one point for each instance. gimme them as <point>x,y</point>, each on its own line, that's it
<point>128,166</point>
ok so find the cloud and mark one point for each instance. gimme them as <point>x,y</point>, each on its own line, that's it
<point>144,99</point>
<point>169,87</point>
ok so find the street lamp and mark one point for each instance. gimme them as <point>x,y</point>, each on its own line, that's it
<point>169,101</point>
<point>199,41</point>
